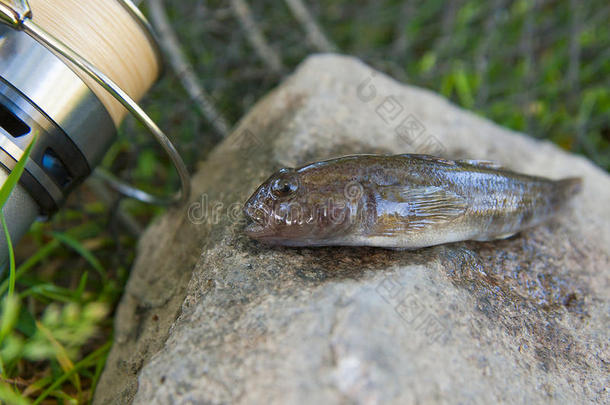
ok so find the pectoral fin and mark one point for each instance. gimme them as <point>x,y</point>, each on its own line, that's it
<point>401,209</point>
<point>496,237</point>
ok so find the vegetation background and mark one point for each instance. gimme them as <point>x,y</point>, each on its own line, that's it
<point>537,66</point>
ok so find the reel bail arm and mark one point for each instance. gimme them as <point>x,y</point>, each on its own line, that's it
<point>14,12</point>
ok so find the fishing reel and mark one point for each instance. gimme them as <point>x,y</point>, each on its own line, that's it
<point>52,90</point>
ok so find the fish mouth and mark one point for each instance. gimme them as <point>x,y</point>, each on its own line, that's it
<point>255,228</point>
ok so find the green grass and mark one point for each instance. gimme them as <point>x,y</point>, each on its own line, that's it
<point>539,68</point>
<point>45,326</point>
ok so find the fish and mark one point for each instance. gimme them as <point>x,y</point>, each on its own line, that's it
<point>406,201</point>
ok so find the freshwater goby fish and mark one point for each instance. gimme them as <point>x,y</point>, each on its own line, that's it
<point>402,201</point>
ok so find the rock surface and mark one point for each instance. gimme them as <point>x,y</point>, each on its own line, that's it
<point>210,316</point>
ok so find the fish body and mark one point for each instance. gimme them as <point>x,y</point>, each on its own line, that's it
<point>402,201</point>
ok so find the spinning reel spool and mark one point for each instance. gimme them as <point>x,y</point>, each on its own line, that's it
<point>69,72</point>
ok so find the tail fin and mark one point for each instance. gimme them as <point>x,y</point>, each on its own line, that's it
<point>569,187</point>
<point>565,190</point>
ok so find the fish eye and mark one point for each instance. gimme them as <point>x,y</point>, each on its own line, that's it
<point>284,186</point>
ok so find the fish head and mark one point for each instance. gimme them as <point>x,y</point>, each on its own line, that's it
<point>270,206</point>
<point>292,208</point>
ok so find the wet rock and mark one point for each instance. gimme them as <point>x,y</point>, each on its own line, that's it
<point>210,316</point>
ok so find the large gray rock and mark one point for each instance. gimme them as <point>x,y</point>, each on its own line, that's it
<point>210,316</point>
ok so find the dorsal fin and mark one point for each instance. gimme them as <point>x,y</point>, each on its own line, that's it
<point>482,163</point>
<point>401,209</point>
<point>429,158</point>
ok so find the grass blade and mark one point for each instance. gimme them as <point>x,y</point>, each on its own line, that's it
<point>9,396</point>
<point>5,193</point>
<point>13,178</point>
<point>11,255</point>
<point>62,356</point>
<point>83,251</point>
<point>84,363</point>
<point>41,254</point>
